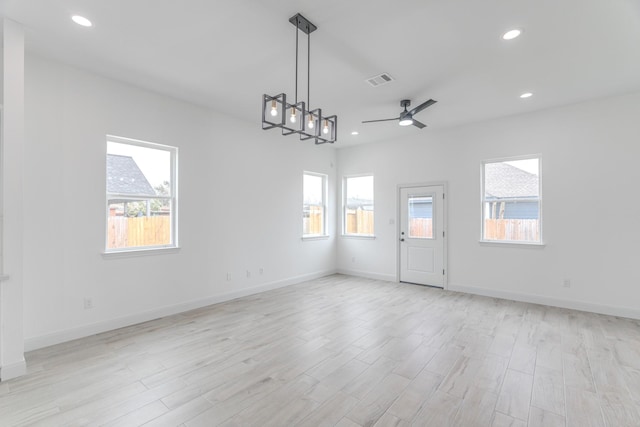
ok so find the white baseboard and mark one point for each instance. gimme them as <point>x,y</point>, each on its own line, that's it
<point>367,274</point>
<point>632,313</point>
<point>34,343</point>
<point>13,370</point>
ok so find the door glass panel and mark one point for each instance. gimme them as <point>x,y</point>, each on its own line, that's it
<point>420,217</point>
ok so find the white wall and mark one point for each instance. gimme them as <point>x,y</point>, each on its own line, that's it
<point>231,169</point>
<point>590,173</point>
<point>12,362</point>
<point>230,172</point>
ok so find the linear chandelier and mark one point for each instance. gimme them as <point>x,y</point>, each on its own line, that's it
<point>297,117</point>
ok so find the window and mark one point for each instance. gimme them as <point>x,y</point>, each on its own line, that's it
<point>141,195</point>
<point>314,207</point>
<point>420,209</point>
<point>511,200</point>
<point>358,205</point>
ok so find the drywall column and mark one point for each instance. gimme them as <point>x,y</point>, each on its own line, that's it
<point>12,363</point>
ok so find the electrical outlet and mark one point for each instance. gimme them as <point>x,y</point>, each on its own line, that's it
<point>228,277</point>
<point>88,303</point>
<point>566,283</point>
<point>248,274</point>
<point>353,259</point>
<point>261,270</point>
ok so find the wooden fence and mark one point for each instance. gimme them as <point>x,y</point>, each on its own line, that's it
<point>125,232</point>
<point>522,230</point>
<point>313,223</point>
<point>519,230</point>
<point>359,222</point>
<point>421,228</point>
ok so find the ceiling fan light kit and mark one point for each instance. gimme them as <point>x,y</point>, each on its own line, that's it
<point>296,118</point>
<point>406,117</point>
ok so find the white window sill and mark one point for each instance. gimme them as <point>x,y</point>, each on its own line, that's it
<point>129,253</point>
<point>508,243</point>
<point>358,237</point>
<point>316,237</point>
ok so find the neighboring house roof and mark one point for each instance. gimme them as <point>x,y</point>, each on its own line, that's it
<point>503,180</point>
<point>364,204</point>
<point>125,177</point>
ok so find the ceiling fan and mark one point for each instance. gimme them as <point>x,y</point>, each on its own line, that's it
<point>406,117</point>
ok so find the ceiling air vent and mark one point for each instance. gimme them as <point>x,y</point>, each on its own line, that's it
<point>379,80</point>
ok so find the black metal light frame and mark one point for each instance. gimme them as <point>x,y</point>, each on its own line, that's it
<point>300,127</point>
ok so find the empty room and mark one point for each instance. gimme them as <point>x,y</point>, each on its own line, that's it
<point>339,213</point>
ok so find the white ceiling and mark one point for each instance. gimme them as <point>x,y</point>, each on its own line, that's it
<point>226,54</point>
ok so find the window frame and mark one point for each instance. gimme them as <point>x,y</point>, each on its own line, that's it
<point>173,199</point>
<point>483,200</point>
<point>345,179</point>
<point>325,187</point>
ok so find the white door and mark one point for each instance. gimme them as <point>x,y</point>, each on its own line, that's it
<point>422,235</point>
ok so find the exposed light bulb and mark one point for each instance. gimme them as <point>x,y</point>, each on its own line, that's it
<point>292,119</point>
<point>274,108</point>
<point>310,124</point>
<point>325,128</point>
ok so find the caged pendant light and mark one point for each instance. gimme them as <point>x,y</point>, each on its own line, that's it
<point>298,118</point>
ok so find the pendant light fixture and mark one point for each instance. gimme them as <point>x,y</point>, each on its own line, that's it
<point>298,118</point>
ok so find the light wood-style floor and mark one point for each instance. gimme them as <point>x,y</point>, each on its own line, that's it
<point>342,351</point>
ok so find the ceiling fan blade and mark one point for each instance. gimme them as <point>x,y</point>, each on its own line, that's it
<point>381,120</point>
<point>422,106</point>
<point>418,124</point>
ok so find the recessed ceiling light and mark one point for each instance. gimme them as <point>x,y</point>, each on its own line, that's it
<point>511,34</point>
<point>81,20</point>
<point>355,132</point>
<point>526,95</point>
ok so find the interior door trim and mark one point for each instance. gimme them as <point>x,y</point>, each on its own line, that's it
<point>445,223</point>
